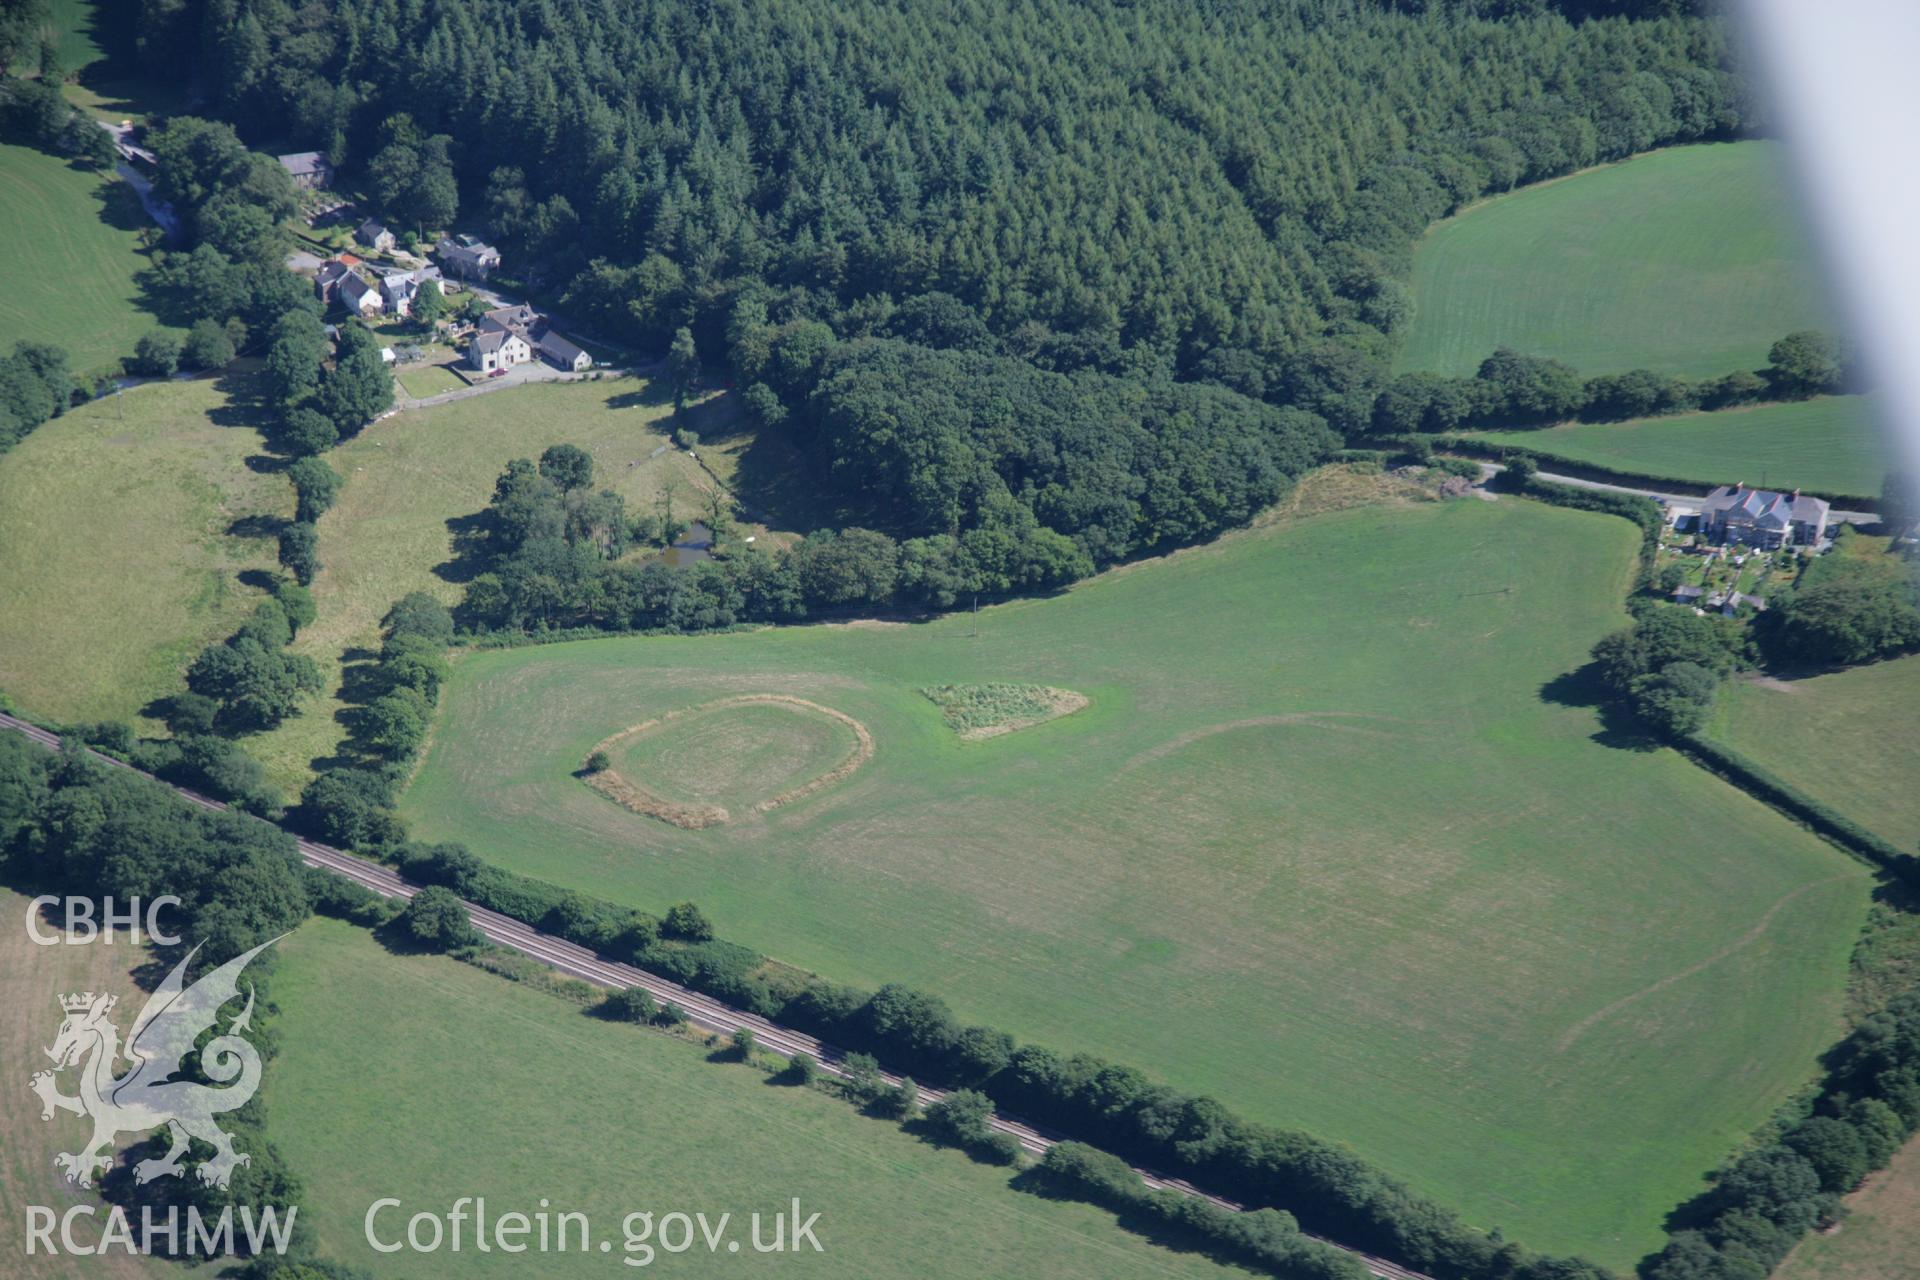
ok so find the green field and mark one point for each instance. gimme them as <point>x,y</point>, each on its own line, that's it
<point>1831,445</point>
<point>419,1078</point>
<point>408,476</point>
<point>1688,261</point>
<point>1318,847</point>
<point>422,380</point>
<point>117,563</point>
<point>68,261</point>
<point>1850,739</point>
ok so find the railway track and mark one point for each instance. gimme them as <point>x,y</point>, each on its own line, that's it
<point>703,1011</point>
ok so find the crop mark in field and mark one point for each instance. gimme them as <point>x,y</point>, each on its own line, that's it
<point>1312,719</point>
<point>632,795</point>
<point>979,711</point>
<point>1740,943</point>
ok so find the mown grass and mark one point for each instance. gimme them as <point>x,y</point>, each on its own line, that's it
<point>413,481</point>
<point>502,1092</point>
<point>1829,445</point>
<point>1688,261</point>
<point>69,259</point>
<point>123,538</point>
<point>1334,842</point>
<point>1849,739</point>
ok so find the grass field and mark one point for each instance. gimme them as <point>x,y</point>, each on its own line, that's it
<point>509,1094</point>
<point>116,560</point>
<point>67,265</point>
<point>422,380</point>
<point>1850,739</point>
<point>1881,1238</point>
<point>1688,261</point>
<point>32,977</point>
<point>1831,445</point>
<point>408,476</point>
<point>1318,847</point>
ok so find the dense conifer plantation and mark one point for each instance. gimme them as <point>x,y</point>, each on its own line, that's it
<point>1152,188</point>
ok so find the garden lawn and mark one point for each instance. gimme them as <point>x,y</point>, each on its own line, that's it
<point>68,260</point>
<point>422,380</point>
<point>1687,261</point>
<point>1829,446</point>
<point>410,475</point>
<point>419,1078</point>
<point>1319,847</point>
<point>117,560</point>
<point>1849,739</point>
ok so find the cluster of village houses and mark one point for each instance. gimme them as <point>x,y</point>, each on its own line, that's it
<point>502,338</point>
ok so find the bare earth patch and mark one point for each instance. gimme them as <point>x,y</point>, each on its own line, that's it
<point>632,795</point>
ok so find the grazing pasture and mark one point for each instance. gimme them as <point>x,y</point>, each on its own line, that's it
<point>1687,261</point>
<point>69,259</point>
<point>1334,841</point>
<point>1830,445</point>
<point>125,529</point>
<point>518,1097</point>
<point>412,482</point>
<point>1849,739</point>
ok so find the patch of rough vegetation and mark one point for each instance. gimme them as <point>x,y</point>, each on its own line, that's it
<point>976,711</point>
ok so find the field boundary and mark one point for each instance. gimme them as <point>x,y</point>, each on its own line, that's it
<point>628,794</point>
<point>1747,775</point>
<point>1475,448</point>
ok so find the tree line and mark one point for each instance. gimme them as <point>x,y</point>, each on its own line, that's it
<point>1510,389</point>
<point>1767,1198</point>
<point>74,825</point>
<point>1153,191</point>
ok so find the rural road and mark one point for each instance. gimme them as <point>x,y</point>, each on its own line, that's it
<point>703,1011</point>
<point>1684,501</point>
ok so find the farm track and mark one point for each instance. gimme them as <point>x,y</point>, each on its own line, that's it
<point>703,1011</point>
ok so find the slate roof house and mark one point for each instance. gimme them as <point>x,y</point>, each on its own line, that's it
<point>398,289</point>
<point>1762,517</point>
<point>467,257</point>
<point>326,281</point>
<point>497,349</point>
<point>311,170</point>
<point>374,235</point>
<point>536,336</point>
<point>358,296</point>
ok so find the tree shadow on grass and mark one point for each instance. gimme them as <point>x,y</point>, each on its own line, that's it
<point>1584,687</point>
<point>775,485</point>
<point>1034,1181</point>
<point>652,395</point>
<point>468,534</point>
<point>257,525</point>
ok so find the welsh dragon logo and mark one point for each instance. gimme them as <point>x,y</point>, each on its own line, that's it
<point>147,1096</point>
